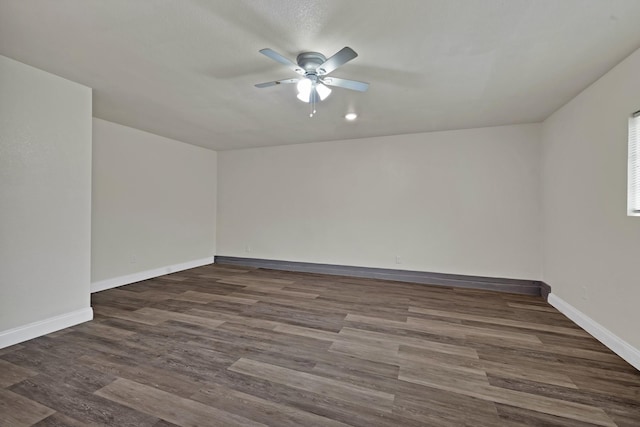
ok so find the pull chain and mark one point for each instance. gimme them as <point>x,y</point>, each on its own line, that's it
<point>313,100</point>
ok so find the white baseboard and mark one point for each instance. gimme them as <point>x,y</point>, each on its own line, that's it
<point>602,334</point>
<point>148,274</point>
<point>43,327</point>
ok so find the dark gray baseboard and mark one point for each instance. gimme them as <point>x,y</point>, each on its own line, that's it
<point>518,286</point>
<point>545,290</point>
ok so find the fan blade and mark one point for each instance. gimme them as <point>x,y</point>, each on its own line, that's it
<point>277,82</point>
<point>345,55</point>
<point>344,83</point>
<point>281,59</point>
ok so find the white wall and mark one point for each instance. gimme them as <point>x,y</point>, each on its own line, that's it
<point>154,204</point>
<point>45,199</point>
<point>591,248</point>
<point>463,202</point>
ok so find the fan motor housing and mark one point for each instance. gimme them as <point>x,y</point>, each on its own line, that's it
<point>310,61</point>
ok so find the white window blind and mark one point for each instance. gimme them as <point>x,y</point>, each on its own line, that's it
<point>634,165</point>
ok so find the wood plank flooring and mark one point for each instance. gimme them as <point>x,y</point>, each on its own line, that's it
<point>232,346</point>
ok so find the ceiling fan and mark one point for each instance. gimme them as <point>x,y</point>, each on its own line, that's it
<point>313,68</point>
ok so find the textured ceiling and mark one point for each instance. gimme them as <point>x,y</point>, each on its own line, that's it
<point>186,69</point>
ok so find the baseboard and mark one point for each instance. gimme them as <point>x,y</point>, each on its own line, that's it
<point>148,274</point>
<point>545,290</point>
<point>519,286</point>
<point>599,332</point>
<point>43,327</point>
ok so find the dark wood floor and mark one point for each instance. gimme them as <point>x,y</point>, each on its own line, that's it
<point>222,345</point>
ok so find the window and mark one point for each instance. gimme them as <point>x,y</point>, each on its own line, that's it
<point>633,183</point>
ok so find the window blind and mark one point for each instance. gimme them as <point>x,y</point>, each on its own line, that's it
<point>634,164</point>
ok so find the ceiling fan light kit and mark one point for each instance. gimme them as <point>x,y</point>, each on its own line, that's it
<point>308,88</point>
<point>313,67</point>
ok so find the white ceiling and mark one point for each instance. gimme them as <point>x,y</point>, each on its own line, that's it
<point>186,69</point>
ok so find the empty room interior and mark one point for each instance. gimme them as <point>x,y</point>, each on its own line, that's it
<point>320,213</point>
